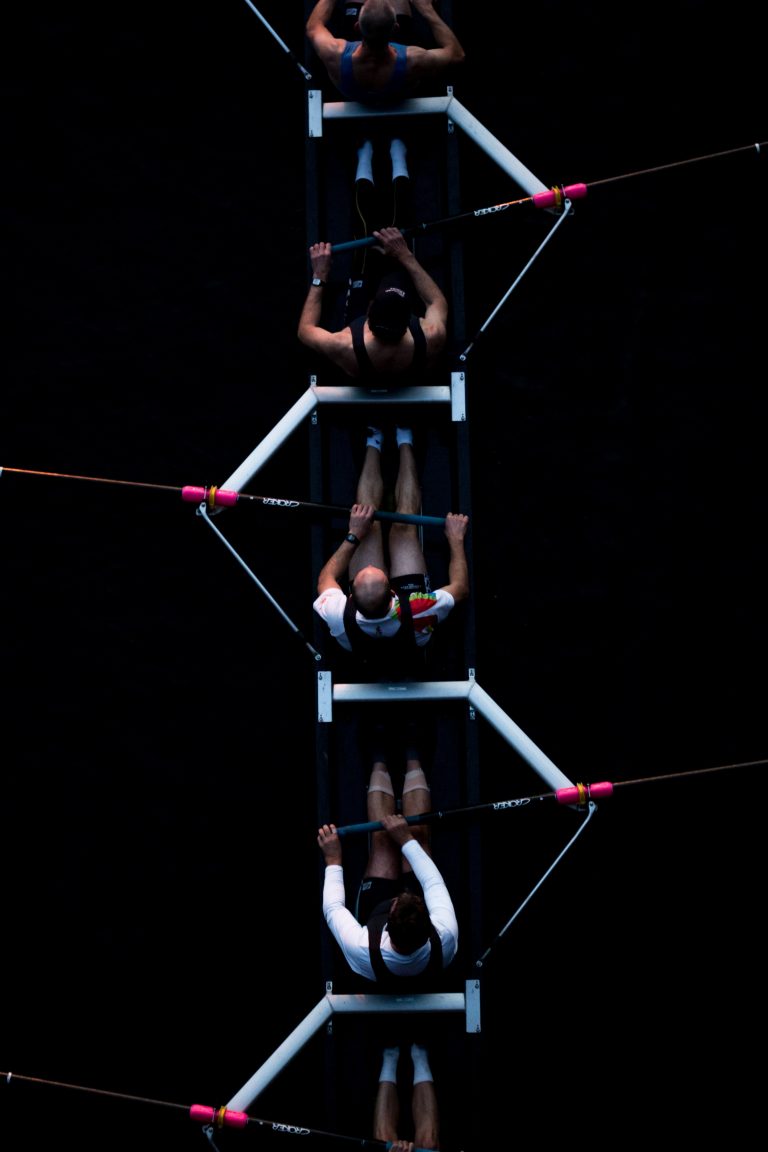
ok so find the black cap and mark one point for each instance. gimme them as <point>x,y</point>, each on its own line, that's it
<point>389,314</point>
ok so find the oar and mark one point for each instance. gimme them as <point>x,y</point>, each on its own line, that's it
<point>578,794</point>
<point>550,199</point>
<point>226,1118</point>
<point>554,198</point>
<point>226,498</point>
<point>218,1117</point>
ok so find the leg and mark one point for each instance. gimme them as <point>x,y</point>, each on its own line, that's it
<point>384,857</point>
<point>402,214</point>
<point>402,217</point>
<point>365,208</point>
<point>370,490</point>
<point>366,266</point>
<point>425,1115</point>
<point>416,799</point>
<point>386,1112</point>
<point>405,549</point>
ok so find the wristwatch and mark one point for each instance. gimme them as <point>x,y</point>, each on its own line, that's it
<point>351,539</point>
<point>317,282</point>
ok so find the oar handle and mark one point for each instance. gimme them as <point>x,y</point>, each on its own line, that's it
<point>348,245</point>
<point>367,241</point>
<point>410,518</point>
<point>376,825</point>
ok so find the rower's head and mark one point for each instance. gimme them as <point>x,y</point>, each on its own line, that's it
<point>388,315</point>
<point>377,22</point>
<point>408,923</point>
<point>371,593</point>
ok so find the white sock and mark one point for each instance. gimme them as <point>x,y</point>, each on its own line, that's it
<point>375,438</point>
<point>397,153</point>
<point>421,1069</point>
<point>389,1065</point>
<point>365,162</point>
<point>404,436</point>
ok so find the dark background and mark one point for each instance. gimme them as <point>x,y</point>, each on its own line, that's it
<point>159,859</point>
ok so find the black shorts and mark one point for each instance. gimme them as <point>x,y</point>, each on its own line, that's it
<point>405,585</point>
<point>375,894</point>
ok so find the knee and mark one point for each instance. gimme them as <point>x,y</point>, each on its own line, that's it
<point>404,533</point>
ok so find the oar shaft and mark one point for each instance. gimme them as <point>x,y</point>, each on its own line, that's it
<point>216,1117</point>
<point>578,794</point>
<point>376,825</point>
<point>552,198</point>
<point>95,479</point>
<point>227,1118</point>
<point>222,497</point>
<point>367,241</point>
<point>427,817</point>
<point>227,498</point>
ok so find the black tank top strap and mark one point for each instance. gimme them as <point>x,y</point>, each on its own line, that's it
<point>419,344</point>
<point>404,640</point>
<point>406,617</point>
<point>358,640</point>
<point>358,346</point>
<point>375,926</point>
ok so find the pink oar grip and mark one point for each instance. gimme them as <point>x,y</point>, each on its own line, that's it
<point>555,195</point>
<point>223,1117</point>
<point>223,497</point>
<point>585,792</point>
